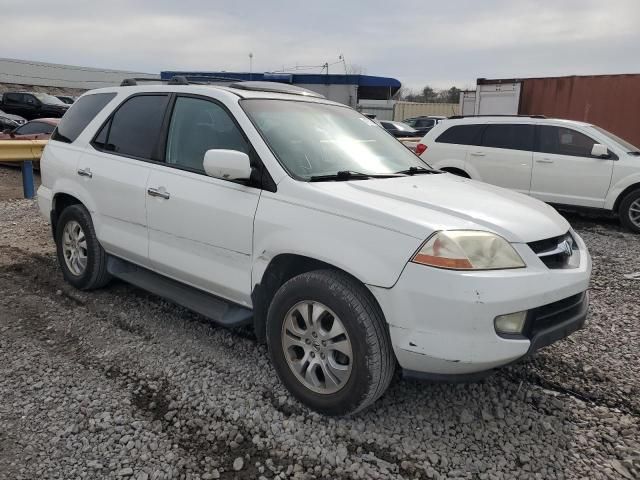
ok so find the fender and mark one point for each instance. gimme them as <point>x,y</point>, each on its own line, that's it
<point>284,228</point>
<point>613,196</point>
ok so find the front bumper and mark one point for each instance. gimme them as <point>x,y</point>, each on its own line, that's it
<point>441,322</point>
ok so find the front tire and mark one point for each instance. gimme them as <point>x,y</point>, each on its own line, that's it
<point>81,257</point>
<point>630,211</point>
<point>329,342</point>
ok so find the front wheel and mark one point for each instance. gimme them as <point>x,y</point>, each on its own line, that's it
<point>630,211</point>
<point>329,342</point>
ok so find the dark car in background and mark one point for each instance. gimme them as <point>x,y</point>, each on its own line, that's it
<point>40,129</point>
<point>31,105</point>
<point>399,129</point>
<point>424,123</point>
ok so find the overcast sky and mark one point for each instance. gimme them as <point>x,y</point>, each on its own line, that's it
<point>440,43</point>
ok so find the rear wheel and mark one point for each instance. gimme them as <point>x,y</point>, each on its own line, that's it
<point>81,257</point>
<point>329,342</point>
<point>630,211</point>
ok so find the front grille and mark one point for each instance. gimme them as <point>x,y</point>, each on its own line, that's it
<point>552,314</point>
<point>557,252</point>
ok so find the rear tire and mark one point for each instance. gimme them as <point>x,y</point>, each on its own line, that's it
<point>357,347</point>
<point>81,257</point>
<point>629,211</point>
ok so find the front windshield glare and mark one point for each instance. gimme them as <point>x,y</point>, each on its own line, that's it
<point>313,139</point>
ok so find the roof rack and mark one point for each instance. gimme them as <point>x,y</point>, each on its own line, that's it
<point>275,87</point>
<point>454,117</point>
<point>176,80</point>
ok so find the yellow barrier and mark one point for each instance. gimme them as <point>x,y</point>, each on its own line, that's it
<point>21,150</point>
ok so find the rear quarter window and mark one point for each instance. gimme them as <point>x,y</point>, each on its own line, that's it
<point>461,135</point>
<point>80,115</point>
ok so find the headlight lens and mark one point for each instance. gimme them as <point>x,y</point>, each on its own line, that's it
<point>468,250</point>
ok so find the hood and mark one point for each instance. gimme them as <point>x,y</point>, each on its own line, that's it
<point>421,204</point>
<point>16,118</point>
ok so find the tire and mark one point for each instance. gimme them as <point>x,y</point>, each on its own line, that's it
<point>371,363</point>
<point>94,274</point>
<point>629,211</point>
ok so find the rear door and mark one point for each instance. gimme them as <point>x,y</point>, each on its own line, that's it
<point>504,156</point>
<point>201,228</point>
<point>116,174</point>
<point>565,172</point>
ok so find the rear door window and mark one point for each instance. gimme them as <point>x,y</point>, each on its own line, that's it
<point>564,141</point>
<point>461,135</point>
<point>12,98</point>
<point>134,129</point>
<point>79,115</point>
<point>511,136</point>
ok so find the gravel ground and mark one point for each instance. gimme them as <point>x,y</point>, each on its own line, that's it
<point>119,383</point>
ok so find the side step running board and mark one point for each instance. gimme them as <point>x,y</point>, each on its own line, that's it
<point>217,309</point>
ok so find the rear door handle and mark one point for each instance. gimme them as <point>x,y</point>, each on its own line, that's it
<point>544,160</point>
<point>85,172</point>
<point>478,154</point>
<point>158,192</point>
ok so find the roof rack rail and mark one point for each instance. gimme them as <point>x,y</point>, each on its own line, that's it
<point>176,80</point>
<point>275,87</point>
<point>454,117</point>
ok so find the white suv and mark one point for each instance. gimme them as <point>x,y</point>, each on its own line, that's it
<point>562,162</point>
<point>267,205</point>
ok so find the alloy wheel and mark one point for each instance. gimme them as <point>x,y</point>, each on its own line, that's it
<point>74,248</point>
<point>317,347</point>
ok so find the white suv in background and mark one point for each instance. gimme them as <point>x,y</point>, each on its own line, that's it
<point>265,204</point>
<point>562,162</point>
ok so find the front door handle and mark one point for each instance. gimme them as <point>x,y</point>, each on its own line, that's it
<point>544,160</point>
<point>158,192</point>
<point>478,154</point>
<point>85,172</point>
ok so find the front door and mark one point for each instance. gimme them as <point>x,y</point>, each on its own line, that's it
<point>565,172</point>
<point>201,228</point>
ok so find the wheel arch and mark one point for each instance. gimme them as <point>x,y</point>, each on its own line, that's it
<point>280,269</point>
<point>456,171</point>
<point>624,193</point>
<point>60,201</point>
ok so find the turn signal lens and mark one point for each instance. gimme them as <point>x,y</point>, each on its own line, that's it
<point>511,323</point>
<point>468,250</point>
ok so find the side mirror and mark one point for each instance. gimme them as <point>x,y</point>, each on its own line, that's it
<point>599,150</point>
<point>227,164</point>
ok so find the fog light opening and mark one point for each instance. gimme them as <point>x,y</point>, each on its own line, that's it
<point>511,323</point>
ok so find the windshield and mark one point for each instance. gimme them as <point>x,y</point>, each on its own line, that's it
<point>312,139</point>
<point>49,99</point>
<point>629,148</point>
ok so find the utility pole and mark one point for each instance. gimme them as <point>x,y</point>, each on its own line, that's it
<point>250,65</point>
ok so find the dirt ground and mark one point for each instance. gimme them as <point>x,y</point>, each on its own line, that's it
<point>118,383</point>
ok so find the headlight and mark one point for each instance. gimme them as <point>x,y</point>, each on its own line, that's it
<point>468,250</point>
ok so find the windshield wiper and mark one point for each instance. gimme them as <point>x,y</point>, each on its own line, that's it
<point>343,175</point>
<point>635,153</point>
<point>417,171</point>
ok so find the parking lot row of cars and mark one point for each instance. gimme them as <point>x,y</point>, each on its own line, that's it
<point>17,108</point>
